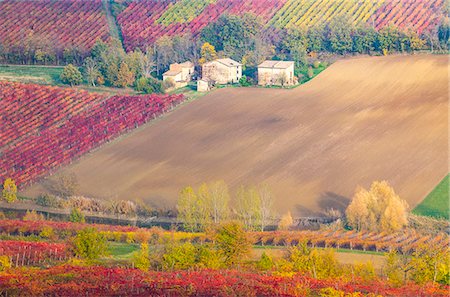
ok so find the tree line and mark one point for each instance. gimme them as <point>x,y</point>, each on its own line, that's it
<point>210,205</point>
<point>243,38</point>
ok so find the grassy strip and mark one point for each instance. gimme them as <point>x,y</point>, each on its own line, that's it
<point>31,74</point>
<point>121,251</point>
<point>436,204</point>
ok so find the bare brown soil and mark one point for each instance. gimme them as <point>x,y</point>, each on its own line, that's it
<point>363,119</point>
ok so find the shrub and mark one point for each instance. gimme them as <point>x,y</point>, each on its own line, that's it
<point>232,242</point>
<point>310,72</point>
<point>208,257</point>
<point>168,84</point>
<point>48,200</point>
<point>316,64</point>
<point>244,81</point>
<point>179,256</point>
<point>141,258</point>
<point>265,262</point>
<point>4,262</point>
<point>33,216</point>
<point>47,232</point>
<point>71,75</point>
<point>149,85</point>
<point>76,216</point>
<point>89,244</point>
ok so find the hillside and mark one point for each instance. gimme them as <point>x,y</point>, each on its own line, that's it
<point>43,127</point>
<point>75,25</point>
<point>361,120</point>
<point>144,21</point>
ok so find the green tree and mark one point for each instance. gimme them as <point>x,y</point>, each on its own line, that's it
<point>179,256</point>
<point>364,39</point>
<point>89,244</point>
<point>9,192</point>
<point>339,36</point>
<point>296,43</point>
<point>232,242</point>
<point>76,216</point>
<point>316,36</point>
<point>388,38</point>
<point>71,75</point>
<point>232,34</point>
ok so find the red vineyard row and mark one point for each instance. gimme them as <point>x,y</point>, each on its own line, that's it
<point>418,14</point>
<point>22,253</point>
<point>27,109</point>
<point>382,242</point>
<point>46,148</point>
<point>61,24</point>
<point>36,227</point>
<point>100,281</point>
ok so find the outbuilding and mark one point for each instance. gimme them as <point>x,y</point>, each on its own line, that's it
<point>279,73</point>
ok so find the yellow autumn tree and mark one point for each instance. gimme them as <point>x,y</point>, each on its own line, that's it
<point>358,210</point>
<point>286,221</point>
<point>9,192</point>
<point>379,209</point>
<point>125,76</point>
<point>208,53</point>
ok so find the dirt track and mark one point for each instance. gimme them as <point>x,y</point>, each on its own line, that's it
<point>361,120</point>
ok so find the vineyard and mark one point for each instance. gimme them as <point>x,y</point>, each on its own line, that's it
<point>79,23</point>
<point>26,253</point>
<point>62,24</point>
<point>142,22</point>
<point>101,281</point>
<point>364,241</point>
<point>44,127</point>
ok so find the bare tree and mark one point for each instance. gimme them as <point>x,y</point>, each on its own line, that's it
<point>265,205</point>
<point>220,198</point>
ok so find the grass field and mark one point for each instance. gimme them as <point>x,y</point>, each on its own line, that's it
<point>362,119</point>
<point>31,74</point>
<point>436,203</point>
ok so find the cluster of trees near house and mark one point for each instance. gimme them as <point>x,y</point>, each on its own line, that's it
<point>242,38</point>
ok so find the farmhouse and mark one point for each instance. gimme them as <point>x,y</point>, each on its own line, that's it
<point>180,73</point>
<point>278,73</point>
<point>222,71</point>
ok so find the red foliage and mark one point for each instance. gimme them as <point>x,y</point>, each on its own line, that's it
<point>420,15</point>
<point>46,127</point>
<point>35,227</point>
<point>139,26</point>
<point>25,252</point>
<point>61,23</point>
<point>101,281</point>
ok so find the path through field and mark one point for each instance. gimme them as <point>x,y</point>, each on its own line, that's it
<point>361,120</point>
